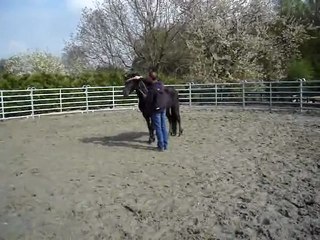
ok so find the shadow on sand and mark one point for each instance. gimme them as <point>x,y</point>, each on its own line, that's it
<point>127,139</point>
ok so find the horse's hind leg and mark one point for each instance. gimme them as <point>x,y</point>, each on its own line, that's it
<point>177,120</point>
<point>169,116</point>
<point>173,122</point>
<point>179,123</point>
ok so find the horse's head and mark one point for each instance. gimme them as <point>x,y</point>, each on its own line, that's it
<point>134,82</point>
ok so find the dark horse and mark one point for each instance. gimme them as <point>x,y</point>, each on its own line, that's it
<point>172,106</point>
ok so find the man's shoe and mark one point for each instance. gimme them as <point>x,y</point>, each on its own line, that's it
<point>161,149</point>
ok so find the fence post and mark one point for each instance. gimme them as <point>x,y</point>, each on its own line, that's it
<point>216,93</point>
<point>60,99</point>
<point>31,100</point>
<point>270,97</point>
<point>2,105</point>
<point>301,94</point>
<point>113,102</point>
<point>190,97</point>
<point>243,95</point>
<point>87,100</point>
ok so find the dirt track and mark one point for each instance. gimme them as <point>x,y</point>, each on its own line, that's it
<point>232,175</point>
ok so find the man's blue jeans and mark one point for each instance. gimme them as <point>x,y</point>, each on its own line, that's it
<point>159,124</point>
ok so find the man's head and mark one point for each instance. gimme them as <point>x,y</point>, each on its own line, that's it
<point>152,73</point>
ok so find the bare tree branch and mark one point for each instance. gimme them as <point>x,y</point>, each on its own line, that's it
<point>119,31</point>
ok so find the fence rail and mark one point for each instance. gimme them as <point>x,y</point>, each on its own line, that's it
<point>301,95</point>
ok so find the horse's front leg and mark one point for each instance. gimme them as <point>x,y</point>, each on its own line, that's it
<point>180,128</point>
<point>151,130</point>
<point>152,136</point>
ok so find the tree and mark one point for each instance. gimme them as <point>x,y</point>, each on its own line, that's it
<point>237,40</point>
<point>175,61</point>
<point>40,62</point>
<point>314,6</point>
<point>120,32</point>
<point>298,9</point>
<point>74,60</point>
<point>2,65</point>
<point>306,12</point>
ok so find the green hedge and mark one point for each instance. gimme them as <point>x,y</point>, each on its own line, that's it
<point>92,78</point>
<point>43,80</point>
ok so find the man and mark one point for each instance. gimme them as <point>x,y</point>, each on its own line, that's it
<point>157,104</point>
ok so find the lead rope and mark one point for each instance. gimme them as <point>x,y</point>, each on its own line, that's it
<point>142,85</point>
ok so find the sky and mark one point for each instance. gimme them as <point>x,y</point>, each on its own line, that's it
<point>30,25</point>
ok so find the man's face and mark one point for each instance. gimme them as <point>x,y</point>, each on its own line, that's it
<point>153,75</point>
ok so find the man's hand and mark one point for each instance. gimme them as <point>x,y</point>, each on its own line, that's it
<point>134,78</point>
<point>137,77</point>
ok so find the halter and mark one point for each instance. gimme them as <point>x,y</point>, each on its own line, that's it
<point>141,86</point>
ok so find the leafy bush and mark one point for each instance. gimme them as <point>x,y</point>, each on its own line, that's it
<point>56,80</point>
<point>300,69</point>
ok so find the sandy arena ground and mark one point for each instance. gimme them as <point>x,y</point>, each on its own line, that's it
<point>232,175</point>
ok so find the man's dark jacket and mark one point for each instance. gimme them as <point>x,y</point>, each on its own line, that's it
<point>156,97</point>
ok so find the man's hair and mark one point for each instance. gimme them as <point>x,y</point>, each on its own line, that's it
<point>152,73</point>
<point>152,69</point>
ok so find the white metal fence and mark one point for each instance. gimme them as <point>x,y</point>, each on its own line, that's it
<point>300,95</point>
